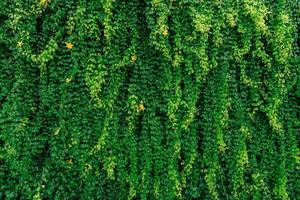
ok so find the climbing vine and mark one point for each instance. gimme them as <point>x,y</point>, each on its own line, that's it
<point>157,99</point>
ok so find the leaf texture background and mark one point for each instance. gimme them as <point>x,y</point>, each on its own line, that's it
<point>150,99</point>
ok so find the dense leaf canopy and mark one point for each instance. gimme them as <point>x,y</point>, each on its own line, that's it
<point>149,99</point>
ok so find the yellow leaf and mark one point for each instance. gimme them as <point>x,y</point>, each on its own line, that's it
<point>165,32</point>
<point>141,107</point>
<point>69,45</point>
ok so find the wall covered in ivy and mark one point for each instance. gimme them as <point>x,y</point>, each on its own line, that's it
<point>150,99</point>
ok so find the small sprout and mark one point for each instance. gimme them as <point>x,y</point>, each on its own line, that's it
<point>133,58</point>
<point>20,44</point>
<point>69,45</point>
<point>69,79</point>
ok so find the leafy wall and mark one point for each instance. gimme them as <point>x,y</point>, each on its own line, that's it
<point>149,99</point>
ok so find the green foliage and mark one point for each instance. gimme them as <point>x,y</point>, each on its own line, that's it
<point>181,99</point>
